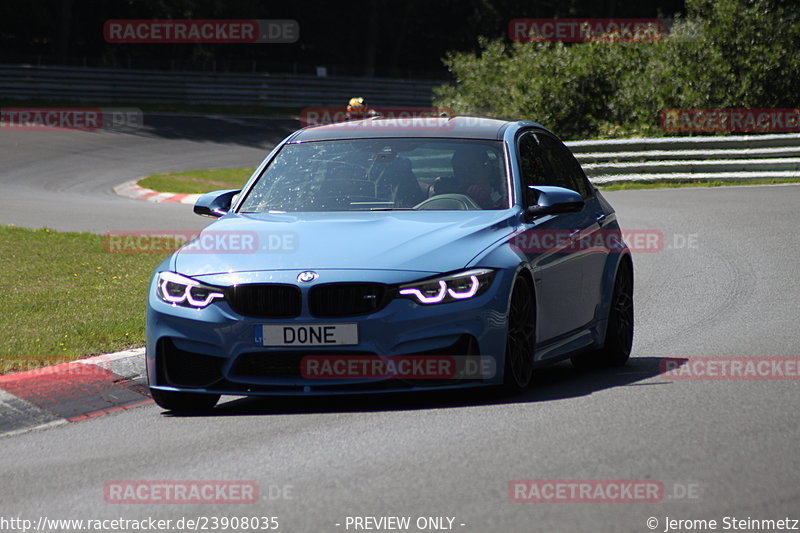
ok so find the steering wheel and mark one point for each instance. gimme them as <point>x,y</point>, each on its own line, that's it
<point>448,202</point>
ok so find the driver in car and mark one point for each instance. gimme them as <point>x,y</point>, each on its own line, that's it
<point>474,174</point>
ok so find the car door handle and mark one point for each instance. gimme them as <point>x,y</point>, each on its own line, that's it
<point>600,218</point>
<point>574,234</point>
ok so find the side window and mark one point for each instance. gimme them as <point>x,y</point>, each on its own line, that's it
<point>565,170</point>
<point>532,166</point>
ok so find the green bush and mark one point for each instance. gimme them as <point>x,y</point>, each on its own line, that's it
<point>725,53</point>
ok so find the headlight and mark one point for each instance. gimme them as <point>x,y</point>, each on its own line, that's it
<point>187,292</point>
<point>451,288</point>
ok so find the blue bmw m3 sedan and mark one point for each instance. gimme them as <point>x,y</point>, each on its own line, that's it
<point>389,255</point>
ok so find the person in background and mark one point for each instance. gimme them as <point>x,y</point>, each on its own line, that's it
<point>357,109</point>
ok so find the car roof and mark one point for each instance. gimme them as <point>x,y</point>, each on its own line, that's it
<point>455,127</point>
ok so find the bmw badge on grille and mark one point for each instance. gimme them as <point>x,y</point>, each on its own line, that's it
<point>307,277</point>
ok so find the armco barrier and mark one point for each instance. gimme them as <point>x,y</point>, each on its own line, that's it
<point>718,158</point>
<point>669,158</point>
<point>122,86</point>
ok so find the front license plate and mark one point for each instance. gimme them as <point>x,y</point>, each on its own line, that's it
<point>307,335</point>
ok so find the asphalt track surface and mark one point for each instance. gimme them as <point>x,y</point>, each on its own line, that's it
<point>721,448</point>
<point>64,179</point>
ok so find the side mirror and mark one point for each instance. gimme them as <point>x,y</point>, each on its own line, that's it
<point>553,201</point>
<point>216,203</point>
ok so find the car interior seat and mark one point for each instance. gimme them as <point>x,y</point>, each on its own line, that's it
<point>395,180</point>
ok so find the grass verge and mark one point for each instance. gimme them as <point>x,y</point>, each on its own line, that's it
<point>64,297</point>
<point>198,181</point>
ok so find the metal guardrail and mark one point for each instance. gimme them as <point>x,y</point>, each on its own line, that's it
<point>715,158</point>
<point>132,87</point>
<point>700,142</point>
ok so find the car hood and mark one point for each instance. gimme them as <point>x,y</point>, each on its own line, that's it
<point>429,241</point>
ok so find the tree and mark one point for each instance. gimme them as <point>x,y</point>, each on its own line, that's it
<point>724,53</point>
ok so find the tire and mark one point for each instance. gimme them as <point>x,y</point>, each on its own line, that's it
<point>184,402</point>
<point>520,339</point>
<point>619,331</point>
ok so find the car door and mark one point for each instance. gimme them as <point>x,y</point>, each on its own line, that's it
<point>590,244</point>
<point>547,246</point>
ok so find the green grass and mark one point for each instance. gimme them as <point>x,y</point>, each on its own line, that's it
<point>64,297</point>
<point>198,181</point>
<point>635,185</point>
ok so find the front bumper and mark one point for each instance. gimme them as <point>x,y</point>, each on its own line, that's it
<point>214,349</point>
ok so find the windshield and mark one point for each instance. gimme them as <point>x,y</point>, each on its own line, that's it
<point>382,174</point>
